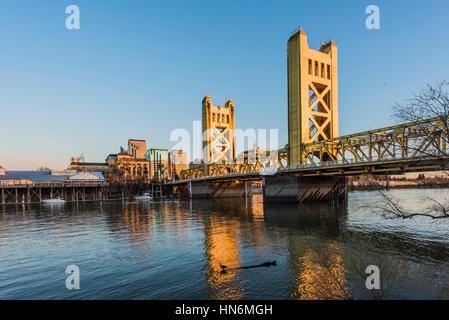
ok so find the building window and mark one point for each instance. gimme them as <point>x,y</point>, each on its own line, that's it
<point>316,68</point>
<point>213,117</point>
<point>329,72</point>
<point>310,66</point>
<point>227,118</point>
<point>322,70</point>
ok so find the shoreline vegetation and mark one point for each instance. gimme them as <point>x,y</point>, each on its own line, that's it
<point>428,180</point>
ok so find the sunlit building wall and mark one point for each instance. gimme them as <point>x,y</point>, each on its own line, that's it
<point>159,164</point>
<point>179,161</point>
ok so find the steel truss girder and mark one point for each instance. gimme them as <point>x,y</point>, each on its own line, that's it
<point>248,166</point>
<point>410,140</point>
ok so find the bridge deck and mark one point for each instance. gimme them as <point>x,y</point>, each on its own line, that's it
<point>339,168</point>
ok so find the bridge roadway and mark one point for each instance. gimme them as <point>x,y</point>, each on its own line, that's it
<point>348,167</point>
<point>326,181</point>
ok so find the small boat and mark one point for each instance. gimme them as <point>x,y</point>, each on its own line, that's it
<point>145,196</point>
<point>53,201</point>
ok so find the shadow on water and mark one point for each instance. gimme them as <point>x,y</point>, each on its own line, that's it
<point>307,217</point>
<point>304,216</point>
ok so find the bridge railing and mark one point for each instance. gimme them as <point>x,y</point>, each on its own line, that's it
<point>323,164</point>
<point>410,140</point>
<point>245,173</point>
<point>349,162</point>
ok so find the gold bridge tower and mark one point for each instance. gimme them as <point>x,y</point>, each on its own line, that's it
<point>312,95</point>
<point>218,132</point>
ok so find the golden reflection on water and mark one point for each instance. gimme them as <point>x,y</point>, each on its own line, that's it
<point>223,240</point>
<point>136,220</point>
<point>318,272</point>
<point>321,274</point>
<point>222,247</point>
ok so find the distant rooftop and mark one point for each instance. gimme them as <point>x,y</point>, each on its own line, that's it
<point>157,149</point>
<point>91,163</point>
<point>40,175</point>
<point>31,175</point>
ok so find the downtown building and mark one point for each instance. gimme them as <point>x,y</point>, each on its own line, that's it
<point>137,164</point>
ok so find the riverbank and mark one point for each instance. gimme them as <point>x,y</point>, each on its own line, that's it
<point>435,180</point>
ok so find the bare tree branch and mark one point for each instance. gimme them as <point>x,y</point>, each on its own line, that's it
<point>430,103</point>
<point>390,208</point>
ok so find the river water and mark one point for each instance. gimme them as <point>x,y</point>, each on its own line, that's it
<point>172,249</point>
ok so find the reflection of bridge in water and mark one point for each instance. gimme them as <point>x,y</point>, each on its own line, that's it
<point>314,244</point>
<point>237,234</point>
<point>314,164</point>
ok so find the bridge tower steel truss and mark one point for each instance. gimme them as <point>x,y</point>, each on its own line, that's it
<point>218,132</point>
<point>312,94</point>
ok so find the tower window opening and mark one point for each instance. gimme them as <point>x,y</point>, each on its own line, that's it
<point>310,66</point>
<point>316,68</point>
<point>329,72</point>
<point>322,70</point>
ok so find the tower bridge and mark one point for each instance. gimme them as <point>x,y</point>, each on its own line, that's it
<point>316,161</point>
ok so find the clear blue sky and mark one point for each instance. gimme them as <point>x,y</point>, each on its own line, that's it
<point>141,68</point>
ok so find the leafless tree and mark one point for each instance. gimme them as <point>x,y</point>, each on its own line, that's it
<point>430,103</point>
<point>429,110</point>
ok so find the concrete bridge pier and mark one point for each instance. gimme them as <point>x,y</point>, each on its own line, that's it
<point>219,190</point>
<point>300,189</point>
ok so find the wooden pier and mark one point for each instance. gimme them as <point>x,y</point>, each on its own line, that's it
<point>38,191</point>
